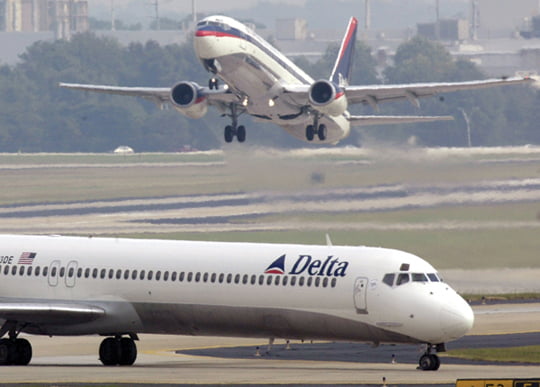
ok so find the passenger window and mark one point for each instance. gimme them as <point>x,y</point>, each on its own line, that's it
<point>317,281</point>
<point>189,277</point>
<point>53,272</point>
<point>6,270</point>
<point>229,278</point>
<point>277,280</point>
<point>79,272</point>
<point>181,276</point>
<point>309,281</point>
<point>197,277</point>
<point>166,276</point>
<point>213,277</point>
<point>150,275</point>
<point>87,272</point>
<point>158,275</point>
<point>29,271</point>
<point>293,281</point>
<point>245,279</point>
<point>285,280</point>
<point>173,276</point>
<point>269,280</point>
<point>94,273</point>
<point>221,277</point>
<point>389,279</point>
<point>36,272</point>
<point>253,279</point>
<point>205,277</point>
<point>71,271</point>
<point>419,277</point>
<point>301,281</point>
<point>334,282</point>
<point>142,275</point>
<point>21,270</point>
<point>111,273</point>
<point>126,274</point>
<point>45,271</point>
<point>118,274</point>
<point>134,275</point>
<point>261,279</point>
<point>102,275</point>
<point>237,279</point>
<point>402,279</point>
<point>325,282</point>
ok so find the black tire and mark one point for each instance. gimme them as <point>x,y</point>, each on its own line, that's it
<point>310,133</point>
<point>128,351</point>
<point>229,133</point>
<point>109,351</point>
<point>429,362</point>
<point>241,133</point>
<point>321,133</point>
<point>22,352</point>
<point>5,346</point>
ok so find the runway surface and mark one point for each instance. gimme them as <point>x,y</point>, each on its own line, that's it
<point>208,360</point>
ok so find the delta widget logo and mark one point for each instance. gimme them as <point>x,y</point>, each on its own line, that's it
<point>306,264</point>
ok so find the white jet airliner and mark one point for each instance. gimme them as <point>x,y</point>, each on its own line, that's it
<point>262,82</point>
<point>54,285</point>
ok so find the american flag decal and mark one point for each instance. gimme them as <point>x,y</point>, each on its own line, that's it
<point>26,258</point>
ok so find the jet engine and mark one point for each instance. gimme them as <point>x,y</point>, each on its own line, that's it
<point>327,98</point>
<point>188,99</point>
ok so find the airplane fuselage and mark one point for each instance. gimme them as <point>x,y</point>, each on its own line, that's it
<point>235,289</point>
<point>254,68</point>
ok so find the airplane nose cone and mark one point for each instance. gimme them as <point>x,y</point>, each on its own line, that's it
<point>457,319</point>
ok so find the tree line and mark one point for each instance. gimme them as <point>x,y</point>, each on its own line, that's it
<point>38,116</point>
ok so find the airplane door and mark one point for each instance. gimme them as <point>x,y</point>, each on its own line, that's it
<point>71,271</point>
<point>53,273</point>
<point>360,295</point>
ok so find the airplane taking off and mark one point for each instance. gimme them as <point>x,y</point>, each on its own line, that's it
<point>119,288</point>
<point>262,82</point>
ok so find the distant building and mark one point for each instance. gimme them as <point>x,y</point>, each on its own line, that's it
<point>63,17</point>
<point>448,29</point>
<point>291,29</point>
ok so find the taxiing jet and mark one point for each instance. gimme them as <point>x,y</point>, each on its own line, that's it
<point>259,80</point>
<point>119,288</point>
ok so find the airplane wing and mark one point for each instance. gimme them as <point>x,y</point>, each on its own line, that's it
<point>49,313</point>
<point>159,95</point>
<point>373,94</point>
<point>384,120</point>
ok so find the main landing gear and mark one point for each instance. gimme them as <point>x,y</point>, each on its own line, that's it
<point>15,352</point>
<point>429,361</point>
<point>234,130</point>
<point>118,351</point>
<point>316,129</point>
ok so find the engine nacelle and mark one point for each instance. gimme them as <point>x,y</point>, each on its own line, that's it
<point>188,99</point>
<point>328,98</point>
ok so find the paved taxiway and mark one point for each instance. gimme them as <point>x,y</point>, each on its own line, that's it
<point>72,360</point>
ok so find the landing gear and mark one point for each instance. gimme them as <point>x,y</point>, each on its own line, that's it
<point>15,352</point>
<point>316,129</point>
<point>429,361</point>
<point>234,130</point>
<point>213,83</point>
<point>118,351</point>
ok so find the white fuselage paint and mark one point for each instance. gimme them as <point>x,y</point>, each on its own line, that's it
<point>346,298</point>
<point>256,69</point>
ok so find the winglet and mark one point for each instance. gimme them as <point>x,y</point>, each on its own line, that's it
<point>342,67</point>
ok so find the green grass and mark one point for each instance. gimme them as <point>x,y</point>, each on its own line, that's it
<point>526,354</point>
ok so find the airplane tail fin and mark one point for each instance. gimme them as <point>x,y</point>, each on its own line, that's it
<point>342,67</point>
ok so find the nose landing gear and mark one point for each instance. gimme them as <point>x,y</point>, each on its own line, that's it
<point>430,361</point>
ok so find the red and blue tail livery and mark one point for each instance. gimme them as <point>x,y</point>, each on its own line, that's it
<point>342,68</point>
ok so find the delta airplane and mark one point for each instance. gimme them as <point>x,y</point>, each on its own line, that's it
<point>119,288</point>
<point>259,80</point>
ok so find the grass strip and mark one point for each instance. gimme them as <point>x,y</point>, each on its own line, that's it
<point>526,354</point>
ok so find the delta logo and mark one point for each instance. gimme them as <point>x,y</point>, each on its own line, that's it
<point>306,264</point>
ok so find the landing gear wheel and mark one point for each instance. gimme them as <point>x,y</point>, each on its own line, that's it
<point>5,350</point>
<point>310,132</point>
<point>118,351</point>
<point>229,133</point>
<point>108,352</point>
<point>22,352</point>
<point>241,133</point>
<point>429,362</point>
<point>128,351</point>
<point>321,133</point>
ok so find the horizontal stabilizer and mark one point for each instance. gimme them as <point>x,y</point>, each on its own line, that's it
<point>384,120</point>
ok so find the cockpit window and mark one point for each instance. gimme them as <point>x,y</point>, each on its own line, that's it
<point>433,277</point>
<point>389,279</point>
<point>402,278</point>
<point>419,277</point>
